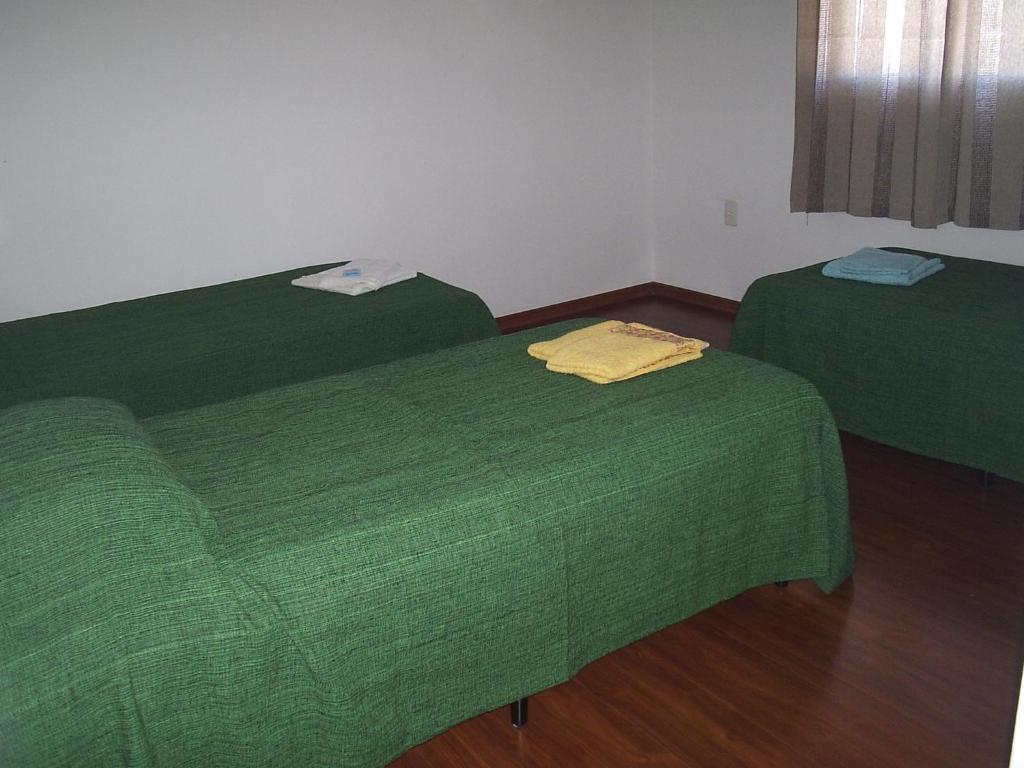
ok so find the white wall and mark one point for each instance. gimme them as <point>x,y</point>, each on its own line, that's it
<point>531,150</point>
<point>149,146</point>
<point>723,129</point>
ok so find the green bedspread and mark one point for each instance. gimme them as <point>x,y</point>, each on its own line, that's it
<point>328,573</point>
<point>180,350</point>
<point>936,368</point>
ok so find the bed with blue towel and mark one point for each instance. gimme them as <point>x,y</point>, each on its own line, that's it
<point>934,365</point>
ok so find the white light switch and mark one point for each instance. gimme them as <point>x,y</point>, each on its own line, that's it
<point>731,213</point>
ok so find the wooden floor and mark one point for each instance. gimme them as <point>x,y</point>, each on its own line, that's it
<point>915,661</point>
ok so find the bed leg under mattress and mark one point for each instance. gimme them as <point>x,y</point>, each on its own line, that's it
<point>781,583</point>
<point>985,480</point>
<point>518,710</point>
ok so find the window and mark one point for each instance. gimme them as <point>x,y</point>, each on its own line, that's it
<point>911,109</point>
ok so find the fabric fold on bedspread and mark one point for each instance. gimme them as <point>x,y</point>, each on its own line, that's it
<point>615,351</point>
<point>874,265</point>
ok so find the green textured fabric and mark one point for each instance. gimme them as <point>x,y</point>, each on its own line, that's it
<point>936,368</point>
<point>180,350</point>
<point>415,543</point>
<point>116,626</point>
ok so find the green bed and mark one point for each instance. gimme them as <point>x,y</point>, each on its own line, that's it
<point>331,572</point>
<point>936,368</point>
<point>180,350</point>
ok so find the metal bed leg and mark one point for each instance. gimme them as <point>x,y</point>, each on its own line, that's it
<point>519,711</point>
<point>985,481</point>
<point>781,583</point>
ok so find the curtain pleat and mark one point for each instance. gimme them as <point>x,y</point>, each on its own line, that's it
<point>911,109</point>
<point>1008,125</point>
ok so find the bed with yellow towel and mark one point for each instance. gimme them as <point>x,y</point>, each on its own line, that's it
<point>330,572</point>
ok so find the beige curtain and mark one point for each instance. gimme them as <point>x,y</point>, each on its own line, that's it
<point>911,109</point>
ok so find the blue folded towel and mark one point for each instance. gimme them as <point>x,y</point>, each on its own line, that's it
<point>873,265</point>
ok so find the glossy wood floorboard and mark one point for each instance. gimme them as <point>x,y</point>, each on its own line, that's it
<point>915,661</point>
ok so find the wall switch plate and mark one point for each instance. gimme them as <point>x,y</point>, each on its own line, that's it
<point>731,213</point>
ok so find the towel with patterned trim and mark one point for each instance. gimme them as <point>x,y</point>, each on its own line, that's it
<point>616,351</point>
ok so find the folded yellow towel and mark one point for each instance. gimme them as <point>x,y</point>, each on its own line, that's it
<point>543,350</point>
<point>667,362</point>
<point>616,351</point>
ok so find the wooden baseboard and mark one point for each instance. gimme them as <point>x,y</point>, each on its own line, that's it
<point>566,310</point>
<point>695,298</point>
<point>587,305</point>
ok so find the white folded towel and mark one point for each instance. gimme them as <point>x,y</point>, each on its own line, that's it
<point>357,277</point>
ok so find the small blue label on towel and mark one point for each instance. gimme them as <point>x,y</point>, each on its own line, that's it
<point>351,272</point>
